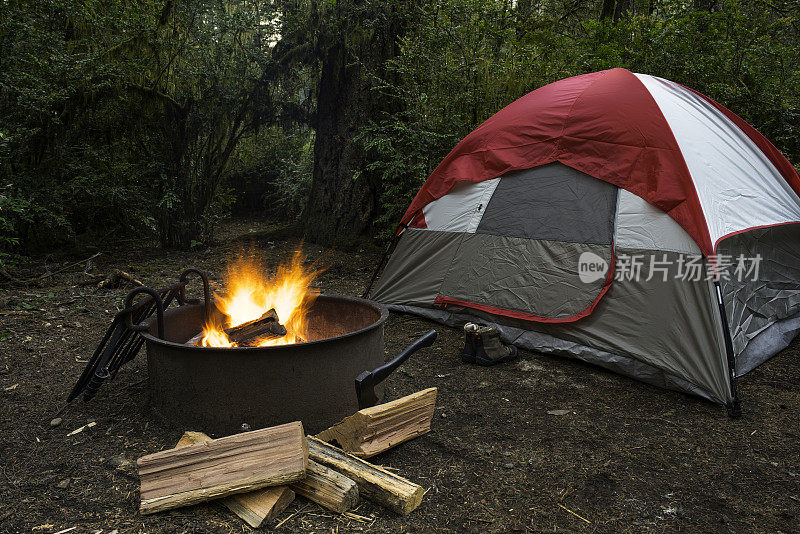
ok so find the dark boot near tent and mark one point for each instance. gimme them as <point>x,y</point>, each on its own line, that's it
<point>489,350</point>
<point>471,340</point>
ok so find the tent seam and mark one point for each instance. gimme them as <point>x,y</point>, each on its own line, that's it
<point>708,245</point>
<point>557,148</point>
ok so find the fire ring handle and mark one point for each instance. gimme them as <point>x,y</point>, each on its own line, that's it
<point>206,289</point>
<point>159,309</point>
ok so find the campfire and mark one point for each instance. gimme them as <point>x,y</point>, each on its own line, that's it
<point>259,310</point>
<point>271,353</point>
<point>265,349</point>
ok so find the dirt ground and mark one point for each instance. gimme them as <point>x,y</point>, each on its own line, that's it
<point>622,456</point>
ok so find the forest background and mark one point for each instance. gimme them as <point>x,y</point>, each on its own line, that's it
<point>123,119</point>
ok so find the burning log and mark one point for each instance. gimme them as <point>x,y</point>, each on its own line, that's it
<point>195,341</point>
<point>373,430</point>
<point>252,333</point>
<point>328,488</point>
<point>256,507</point>
<point>374,483</point>
<point>205,471</point>
<point>265,327</point>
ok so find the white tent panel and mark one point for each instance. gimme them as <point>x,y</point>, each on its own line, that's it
<point>640,225</point>
<point>458,210</point>
<point>738,187</point>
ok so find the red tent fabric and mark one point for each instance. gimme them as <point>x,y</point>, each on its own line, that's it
<point>605,124</point>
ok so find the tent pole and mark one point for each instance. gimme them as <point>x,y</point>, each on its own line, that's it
<point>733,406</point>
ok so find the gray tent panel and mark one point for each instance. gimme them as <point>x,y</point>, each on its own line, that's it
<point>552,202</point>
<point>762,312</point>
<point>672,325</point>
<point>669,323</point>
<point>523,275</point>
<point>667,333</point>
<point>416,270</point>
<point>767,344</point>
<point>548,344</point>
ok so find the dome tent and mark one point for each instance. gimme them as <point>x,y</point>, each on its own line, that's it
<point>571,218</point>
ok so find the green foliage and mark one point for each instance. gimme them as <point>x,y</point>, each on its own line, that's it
<point>61,169</point>
<point>122,117</point>
<point>203,82</point>
<point>160,117</point>
<point>271,172</point>
<point>294,181</point>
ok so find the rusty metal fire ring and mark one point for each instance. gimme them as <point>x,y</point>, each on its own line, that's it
<point>217,390</point>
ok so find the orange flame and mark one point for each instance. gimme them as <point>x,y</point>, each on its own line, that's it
<point>250,294</point>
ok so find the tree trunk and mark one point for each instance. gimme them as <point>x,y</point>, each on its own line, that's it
<point>197,161</point>
<point>182,224</point>
<point>182,234</point>
<point>344,195</point>
<point>616,9</point>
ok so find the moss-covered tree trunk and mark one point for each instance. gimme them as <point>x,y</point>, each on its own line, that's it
<point>344,194</point>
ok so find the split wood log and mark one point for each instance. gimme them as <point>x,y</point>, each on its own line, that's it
<point>374,483</point>
<point>255,508</point>
<point>234,464</point>
<point>376,429</point>
<point>261,506</point>
<point>195,341</point>
<point>266,326</point>
<point>328,488</point>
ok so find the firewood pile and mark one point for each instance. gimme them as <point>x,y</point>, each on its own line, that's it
<point>257,474</point>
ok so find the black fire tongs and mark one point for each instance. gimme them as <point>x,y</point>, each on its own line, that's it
<point>366,381</point>
<point>121,342</point>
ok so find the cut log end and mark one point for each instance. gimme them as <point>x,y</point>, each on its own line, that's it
<point>374,483</point>
<point>260,507</point>
<point>328,488</point>
<point>374,430</point>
